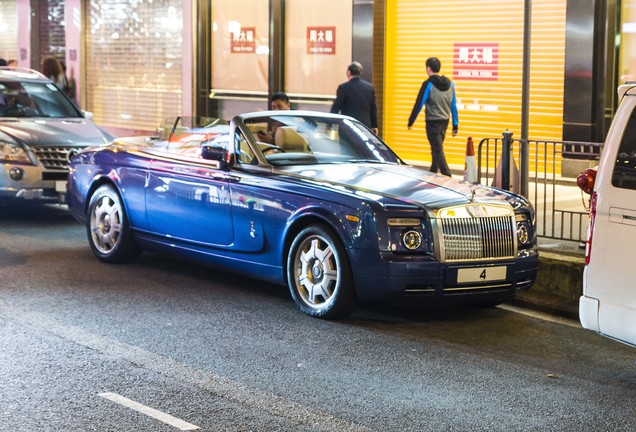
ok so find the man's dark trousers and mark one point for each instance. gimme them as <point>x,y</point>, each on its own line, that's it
<point>436,132</point>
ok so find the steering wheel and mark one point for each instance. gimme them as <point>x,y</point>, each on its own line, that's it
<point>271,148</point>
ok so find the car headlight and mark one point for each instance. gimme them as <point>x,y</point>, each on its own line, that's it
<point>412,240</point>
<point>409,235</point>
<point>13,153</point>
<point>524,230</point>
<point>404,222</point>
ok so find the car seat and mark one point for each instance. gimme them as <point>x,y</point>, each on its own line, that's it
<point>289,140</point>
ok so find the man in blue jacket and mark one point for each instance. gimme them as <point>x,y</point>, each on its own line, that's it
<point>437,94</point>
<point>356,98</point>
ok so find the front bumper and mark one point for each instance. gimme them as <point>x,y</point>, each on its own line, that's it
<point>29,185</point>
<point>415,281</point>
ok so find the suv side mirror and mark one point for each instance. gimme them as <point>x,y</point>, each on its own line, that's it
<point>215,153</point>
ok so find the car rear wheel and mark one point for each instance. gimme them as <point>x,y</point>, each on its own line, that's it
<point>108,232</point>
<point>319,274</point>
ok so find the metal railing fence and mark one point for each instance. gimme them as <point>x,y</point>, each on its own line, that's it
<point>561,207</point>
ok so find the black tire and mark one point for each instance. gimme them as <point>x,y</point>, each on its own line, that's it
<point>109,235</point>
<point>319,274</point>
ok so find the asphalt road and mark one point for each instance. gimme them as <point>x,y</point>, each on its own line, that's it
<point>163,345</point>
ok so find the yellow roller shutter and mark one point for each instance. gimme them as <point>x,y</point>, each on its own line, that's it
<point>489,102</point>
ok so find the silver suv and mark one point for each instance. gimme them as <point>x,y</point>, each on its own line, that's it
<point>40,130</point>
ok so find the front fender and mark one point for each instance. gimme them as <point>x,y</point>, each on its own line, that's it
<point>355,227</point>
<point>87,173</point>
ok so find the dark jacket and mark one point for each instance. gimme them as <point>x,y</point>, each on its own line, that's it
<point>438,95</point>
<point>356,98</point>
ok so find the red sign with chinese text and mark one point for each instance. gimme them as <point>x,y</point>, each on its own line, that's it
<point>321,40</point>
<point>476,61</point>
<point>243,41</point>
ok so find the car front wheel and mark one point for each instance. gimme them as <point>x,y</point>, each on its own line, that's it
<point>108,232</point>
<point>319,274</point>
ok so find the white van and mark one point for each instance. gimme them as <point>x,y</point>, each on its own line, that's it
<point>608,303</point>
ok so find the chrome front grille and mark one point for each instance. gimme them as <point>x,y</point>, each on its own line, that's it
<point>477,238</point>
<point>54,157</point>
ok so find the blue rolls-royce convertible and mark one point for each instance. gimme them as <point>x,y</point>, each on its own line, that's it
<point>310,200</point>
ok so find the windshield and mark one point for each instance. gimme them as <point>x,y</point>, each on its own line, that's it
<point>34,99</point>
<point>174,129</point>
<point>184,136</point>
<point>293,138</point>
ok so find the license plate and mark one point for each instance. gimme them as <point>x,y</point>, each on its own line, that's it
<point>481,274</point>
<point>60,186</point>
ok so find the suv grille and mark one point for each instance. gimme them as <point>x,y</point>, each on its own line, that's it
<point>477,238</point>
<point>54,157</point>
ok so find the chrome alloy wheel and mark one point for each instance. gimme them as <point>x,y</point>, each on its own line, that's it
<point>317,270</point>
<point>319,274</point>
<point>106,224</point>
<point>109,235</point>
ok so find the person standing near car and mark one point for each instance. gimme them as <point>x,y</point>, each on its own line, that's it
<point>437,94</point>
<point>53,70</point>
<point>356,98</point>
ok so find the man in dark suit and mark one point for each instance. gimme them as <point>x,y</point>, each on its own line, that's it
<point>356,98</point>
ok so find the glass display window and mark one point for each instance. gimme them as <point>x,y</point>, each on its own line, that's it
<point>627,59</point>
<point>240,45</point>
<point>318,46</point>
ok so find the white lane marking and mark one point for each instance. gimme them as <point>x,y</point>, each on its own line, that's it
<point>151,412</point>
<point>227,389</point>
<point>541,315</point>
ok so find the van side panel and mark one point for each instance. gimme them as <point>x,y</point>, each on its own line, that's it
<point>618,322</point>
<point>588,313</point>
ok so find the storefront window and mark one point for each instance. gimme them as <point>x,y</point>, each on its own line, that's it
<point>628,42</point>
<point>240,46</point>
<point>318,39</point>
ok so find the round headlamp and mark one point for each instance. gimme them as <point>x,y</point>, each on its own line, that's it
<point>412,240</point>
<point>522,233</point>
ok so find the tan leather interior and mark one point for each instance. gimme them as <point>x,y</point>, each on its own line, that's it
<point>290,140</point>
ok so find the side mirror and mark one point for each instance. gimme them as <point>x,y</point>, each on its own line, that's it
<point>215,154</point>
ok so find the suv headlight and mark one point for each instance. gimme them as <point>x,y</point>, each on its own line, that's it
<point>13,153</point>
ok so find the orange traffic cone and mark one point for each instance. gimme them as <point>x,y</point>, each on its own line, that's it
<point>470,171</point>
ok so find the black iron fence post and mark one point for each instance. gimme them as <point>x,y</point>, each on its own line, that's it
<point>525,100</point>
<point>506,150</point>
